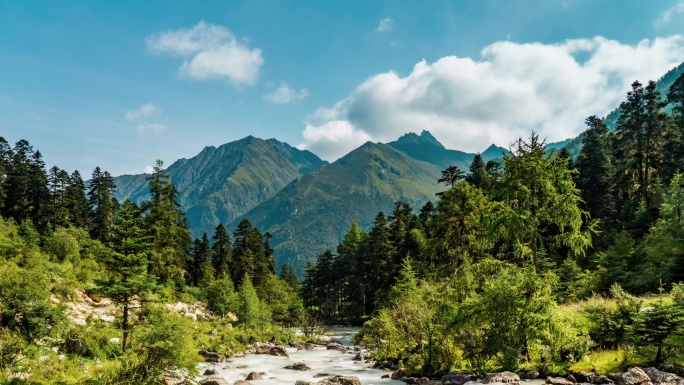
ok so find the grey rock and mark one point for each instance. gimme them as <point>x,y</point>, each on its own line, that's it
<point>529,375</point>
<point>255,376</point>
<point>558,381</point>
<point>210,371</point>
<point>398,375</point>
<point>74,346</point>
<point>214,380</point>
<point>458,378</point>
<point>278,351</point>
<point>241,382</point>
<point>298,366</point>
<point>663,378</point>
<point>634,376</point>
<point>503,377</point>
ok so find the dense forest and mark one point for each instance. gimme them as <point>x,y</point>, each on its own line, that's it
<point>487,277</point>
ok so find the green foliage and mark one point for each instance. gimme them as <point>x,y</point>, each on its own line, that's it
<point>656,326</point>
<point>610,321</point>
<point>221,296</point>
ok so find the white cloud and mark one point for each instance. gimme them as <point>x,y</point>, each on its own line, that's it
<point>667,15</point>
<point>385,25</point>
<point>212,52</point>
<point>153,128</point>
<point>510,90</point>
<point>141,112</point>
<point>285,94</point>
<point>148,169</point>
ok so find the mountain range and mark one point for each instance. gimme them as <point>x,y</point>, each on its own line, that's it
<point>305,203</point>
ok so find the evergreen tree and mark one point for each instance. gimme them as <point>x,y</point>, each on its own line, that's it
<point>595,170</point>
<point>675,97</point>
<point>58,182</point>
<point>479,176</point>
<point>76,202</point>
<point>128,278</point>
<point>221,251</point>
<point>288,275</point>
<point>5,164</point>
<point>378,249</point>
<point>100,195</point>
<point>354,267</point>
<point>25,185</point>
<point>539,192</point>
<point>252,255</point>
<point>451,175</point>
<point>168,227</point>
<point>201,272</point>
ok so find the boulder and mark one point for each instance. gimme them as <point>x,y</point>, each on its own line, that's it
<point>336,346</point>
<point>397,375</point>
<point>458,378</point>
<point>587,377</point>
<point>210,372</point>
<point>214,380</point>
<point>255,376</point>
<point>663,378</point>
<point>241,382</point>
<point>74,346</point>
<point>278,351</point>
<point>634,376</point>
<point>503,377</point>
<point>672,368</point>
<point>529,375</point>
<point>319,375</point>
<point>558,381</point>
<point>263,349</point>
<point>298,366</point>
<point>340,380</point>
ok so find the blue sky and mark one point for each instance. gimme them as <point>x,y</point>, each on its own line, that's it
<point>121,84</point>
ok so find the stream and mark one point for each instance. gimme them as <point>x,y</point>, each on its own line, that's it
<point>320,360</point>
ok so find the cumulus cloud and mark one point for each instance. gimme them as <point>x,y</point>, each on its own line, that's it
<point>508,91</point>
<point>152,128</point>
<point>141,112</point>
<point>148,169</point>
<point>385,25</point>
<point>211,52</point>
<point>285,94</point>
<point>667,15</point>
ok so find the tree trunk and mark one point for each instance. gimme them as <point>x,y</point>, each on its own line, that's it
<point>534,254</point>
<point>124,324</point>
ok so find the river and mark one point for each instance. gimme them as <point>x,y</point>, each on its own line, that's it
<point>320,360</point>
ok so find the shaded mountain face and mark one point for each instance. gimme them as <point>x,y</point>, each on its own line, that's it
<point>221,183</point>
<point>315,211</point>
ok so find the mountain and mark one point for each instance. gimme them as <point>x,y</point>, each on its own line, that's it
<point>315,211</point>
<point>221,183</point>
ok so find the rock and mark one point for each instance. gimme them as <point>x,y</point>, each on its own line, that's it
<point>413,380</point>
<point>336,346</point>
<point>503,377</point>
<point>458,378</point>
<point>587,377</point>
<point>319,375</point>
<point>672,368</point>
<point>263,349</point>
<point>209,372</point>
<point>214,380</point>
<point>634,376</point>
<point>301,382</point>
<point>571,378</point>
<point>241,382</point>
<point>529,375</point>
<point>385,376</point>
<point>309,346</point>
<point>74,346</point>
<point>341,380</point>
<point>242,367</point>
<point>211,356</point>
<point>94,297</point>
<point>398,375</point>
<point>558,381</point>
<point>298,366</point>
<point>663,378</point>
<point>255,376</point>
<point>174,377</point>
<point>278,351</point>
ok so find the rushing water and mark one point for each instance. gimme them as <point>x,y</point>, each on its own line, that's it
<point>320,360</point>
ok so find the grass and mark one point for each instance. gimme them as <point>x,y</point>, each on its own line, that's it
<point>608,361</point>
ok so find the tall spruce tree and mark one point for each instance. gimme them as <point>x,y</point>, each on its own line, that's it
<point>168,226</point>
<point>201,272</point>
<point>675,97</point>
<point>76,202</point>
<point>479,177</point>
<point>595,166</point>
<point>100,195</point>
<point>221,251</point>
<point>128,264</point>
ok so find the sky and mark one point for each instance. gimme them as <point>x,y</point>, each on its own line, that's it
<point>119,84</point>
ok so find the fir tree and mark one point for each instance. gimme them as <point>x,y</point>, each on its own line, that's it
<point>100,195</point>
<point>595,176</point>
<point>76,202</point>
<point>221,251</point>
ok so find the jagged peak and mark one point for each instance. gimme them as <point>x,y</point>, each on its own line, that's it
<point>424,137</point>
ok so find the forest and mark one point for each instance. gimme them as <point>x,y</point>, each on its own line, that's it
<point>535,261</point>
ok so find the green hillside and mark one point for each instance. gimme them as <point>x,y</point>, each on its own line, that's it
<point>221,183</point>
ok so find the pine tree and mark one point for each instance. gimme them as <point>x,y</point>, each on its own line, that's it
<point>479,177</point>
<point>201,273</point>
<point>76,202</point>
<point>100,195</point>
<point>538,191</point>
<point>58,181</point>
<point>451,176</point>
<point>354,269</point>
<point>378,250</point>
<point>288,275</point>
<point>675,97</point>
<point>168,226</point>
<point>128,264</point>
<point>221,251</point>
<point>5,164</point>
<point>595,176</point>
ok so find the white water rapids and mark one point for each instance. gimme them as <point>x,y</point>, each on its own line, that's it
<point>320,360</point>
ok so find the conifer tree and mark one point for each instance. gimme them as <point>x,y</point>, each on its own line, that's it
<point>76,202</point>
<point>595,176</point>
<point>451,175</point>
<point>478,177</point>
<point>221,251</point>
<point>675,97</point>
<point>201,272</point>
<point>128,264</point>
<point>288,275</point>
<point>168,226</point>
<point>100,195</point>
